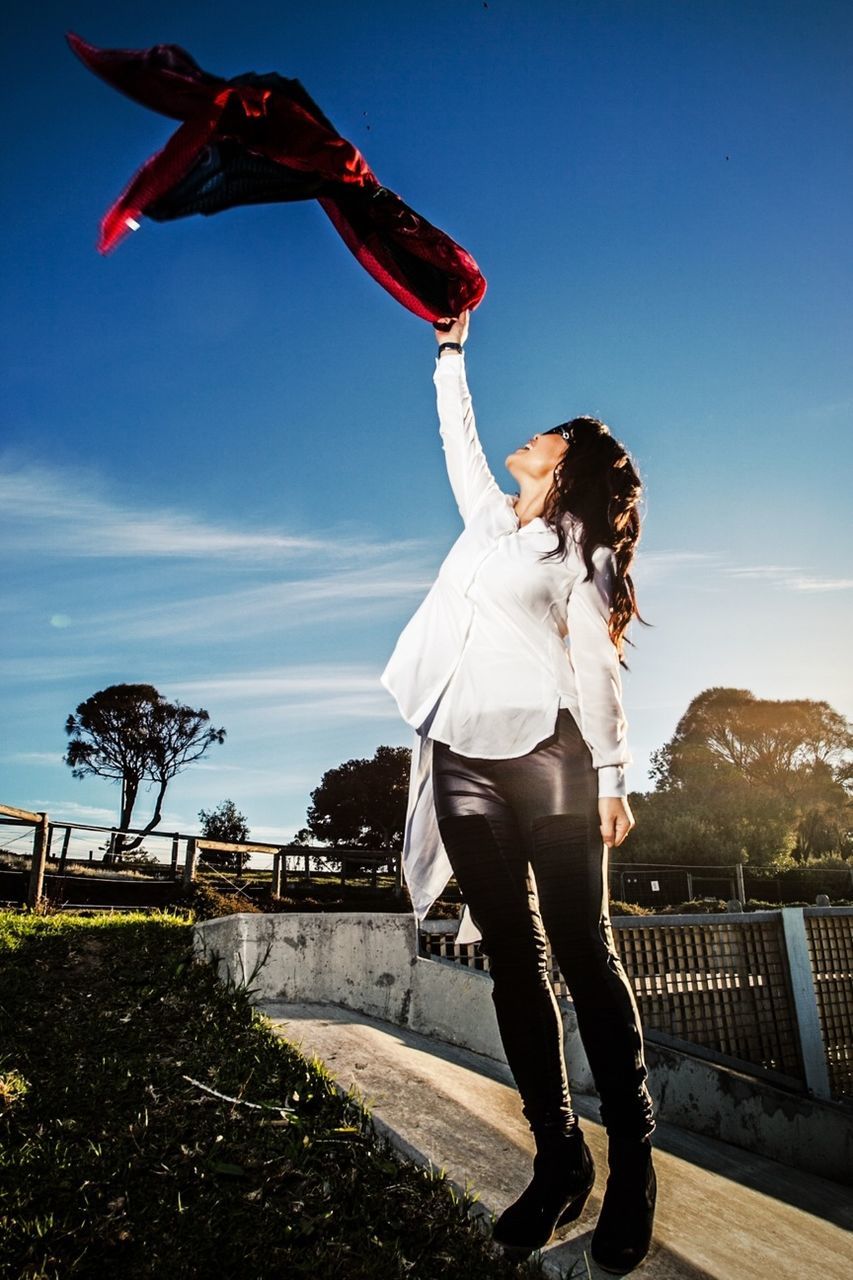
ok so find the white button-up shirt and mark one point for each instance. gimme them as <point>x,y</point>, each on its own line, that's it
<point>483,664</point>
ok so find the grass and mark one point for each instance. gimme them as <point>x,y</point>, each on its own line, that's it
<point>115,1160</point>
<point>24,862</point>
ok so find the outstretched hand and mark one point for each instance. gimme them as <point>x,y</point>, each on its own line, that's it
<point>458,330</point>
<point>616,819</point>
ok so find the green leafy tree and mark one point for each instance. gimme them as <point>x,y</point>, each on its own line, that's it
<point>228,824</point>
<point>716,823</point>
<point>746,778</point>
<point>131,734</point>
<point>362,803</point>
<point>796,748</point>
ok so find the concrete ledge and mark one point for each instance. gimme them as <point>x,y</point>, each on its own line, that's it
<point>721,1214</point>
<point>370,963</point>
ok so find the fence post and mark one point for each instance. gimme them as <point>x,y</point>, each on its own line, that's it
<point>190,862</point>
<point>741,892</point>
<point>689,886</point>
<point>276,874</point>
<point>63,857</point>
<point>41,839</point>
<point>175,856</point>
<point>805,1002</point>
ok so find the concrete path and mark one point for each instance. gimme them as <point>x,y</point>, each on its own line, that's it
<point>721,1212</point>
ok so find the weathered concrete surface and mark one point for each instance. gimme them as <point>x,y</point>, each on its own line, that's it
<point>721,1213</point>
<point>370,963</point>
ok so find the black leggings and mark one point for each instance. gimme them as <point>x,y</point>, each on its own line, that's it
<point>523,838</point>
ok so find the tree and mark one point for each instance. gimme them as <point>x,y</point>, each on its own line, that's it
<point>362,803</point>
<point>795,747</point>
<point>770,778</point>
<point>708,823</point>
<point>130,733</point>
<point>227,824</point>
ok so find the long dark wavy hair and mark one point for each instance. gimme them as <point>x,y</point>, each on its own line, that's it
<point>596,482</point>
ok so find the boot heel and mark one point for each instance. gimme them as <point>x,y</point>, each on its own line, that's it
<point>575,1208</point>
<point>550,1201</point>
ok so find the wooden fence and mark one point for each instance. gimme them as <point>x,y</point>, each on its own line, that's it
<point>647,885</point>
<point>184,857</point>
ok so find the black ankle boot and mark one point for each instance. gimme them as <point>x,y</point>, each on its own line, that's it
<point>563,1176</point>
<point>623,1232</point>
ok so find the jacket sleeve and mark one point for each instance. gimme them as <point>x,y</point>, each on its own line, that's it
<point>470,477</point>
<point>598,678</point>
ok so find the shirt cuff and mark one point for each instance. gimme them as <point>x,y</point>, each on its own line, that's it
<point>612,781</point>
<point>452,358</point>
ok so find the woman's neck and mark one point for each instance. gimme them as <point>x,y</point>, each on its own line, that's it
<point>531,501</point>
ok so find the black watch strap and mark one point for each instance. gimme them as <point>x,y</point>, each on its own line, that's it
<point>450,346</point>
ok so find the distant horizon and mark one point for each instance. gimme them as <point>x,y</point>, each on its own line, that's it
<point>220,470</point>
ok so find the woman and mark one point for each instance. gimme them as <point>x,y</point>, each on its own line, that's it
<point>518,786</point>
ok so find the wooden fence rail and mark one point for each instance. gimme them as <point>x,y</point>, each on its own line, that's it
<point>41,842</point>
<point>648,884</point>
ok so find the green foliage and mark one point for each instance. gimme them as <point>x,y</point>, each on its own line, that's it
<point>228,824</point>
<point>746,779</point>
<point>716,822</point>
<point>362,803</point>
<point>694,907</point>
<point>131,734</point>
<point>118,1160</point>
<point>208,903</point>
<point>13,1087</point>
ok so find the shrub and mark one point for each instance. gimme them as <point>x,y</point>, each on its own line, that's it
<point>208,903</point>
<point>694,907</point>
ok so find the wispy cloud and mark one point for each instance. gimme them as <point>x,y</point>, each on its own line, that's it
<point>45,669</point>
<point>69,514</point>
<point>326,679</point>
<point>771,571</point>
<point>662,564</point>
<point>654,566</point>
<point>793,577</point>
<point>308,693</point>
<point>70,811</point>
<point>279,606</point>
<point>821,584</point>
<point>38,758</point>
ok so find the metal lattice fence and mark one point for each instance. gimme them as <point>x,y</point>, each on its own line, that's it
<point>830,939</point>
<point>716,983</point>
<point>724,983</point>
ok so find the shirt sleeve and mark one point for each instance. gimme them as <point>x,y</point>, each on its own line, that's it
<point>468,471</point>
<point>598,678</point>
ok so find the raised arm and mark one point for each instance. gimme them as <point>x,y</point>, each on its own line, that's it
<point>468,471</point>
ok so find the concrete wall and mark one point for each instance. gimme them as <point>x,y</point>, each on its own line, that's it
<point>370,963</point>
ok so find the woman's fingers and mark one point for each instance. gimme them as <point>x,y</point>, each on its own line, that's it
<point>616,820</point>
<point>454,328</point>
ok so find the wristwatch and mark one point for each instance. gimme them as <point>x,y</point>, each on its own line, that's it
<point>450,346</point>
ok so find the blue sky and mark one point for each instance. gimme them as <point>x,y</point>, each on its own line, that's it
<point>220,470</point>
